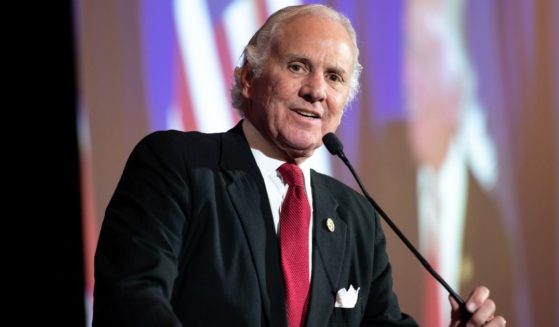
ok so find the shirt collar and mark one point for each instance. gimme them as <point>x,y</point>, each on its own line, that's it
<point>268,166</point>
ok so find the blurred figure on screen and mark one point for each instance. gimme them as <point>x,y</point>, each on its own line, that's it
<point>455,156</point>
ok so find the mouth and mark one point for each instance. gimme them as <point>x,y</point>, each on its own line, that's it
<point>307,114</point>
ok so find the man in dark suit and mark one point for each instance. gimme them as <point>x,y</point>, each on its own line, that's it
<point>190,236</point>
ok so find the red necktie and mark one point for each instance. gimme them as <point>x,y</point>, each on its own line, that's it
<point>294,241</point>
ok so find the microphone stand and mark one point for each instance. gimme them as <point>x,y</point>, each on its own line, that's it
<point>335,147</point>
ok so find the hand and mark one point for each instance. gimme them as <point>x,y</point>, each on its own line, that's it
<point>481,307</point>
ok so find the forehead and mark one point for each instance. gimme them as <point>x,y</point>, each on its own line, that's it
<point>315,35</point>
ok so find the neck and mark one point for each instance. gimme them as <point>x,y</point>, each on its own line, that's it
<point>259,142</point>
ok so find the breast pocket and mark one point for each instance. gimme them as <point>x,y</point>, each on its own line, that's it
<point>347,316</point>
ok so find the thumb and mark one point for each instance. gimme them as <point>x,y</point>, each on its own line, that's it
<point>453,304</point>
<point>455,313</point>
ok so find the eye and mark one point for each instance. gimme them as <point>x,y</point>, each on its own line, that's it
<point>334,77</point>
<point>296,67</point>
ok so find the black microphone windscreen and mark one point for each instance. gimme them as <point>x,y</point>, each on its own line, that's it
<point>333,144</point>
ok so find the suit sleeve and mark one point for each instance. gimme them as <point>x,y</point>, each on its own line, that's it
<point>382,308</point>
<point>140,239</point>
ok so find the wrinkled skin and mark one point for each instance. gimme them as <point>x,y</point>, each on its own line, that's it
<point>303,88</point>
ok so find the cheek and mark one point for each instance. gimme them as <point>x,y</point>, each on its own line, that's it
<point>336,109</point>
<point>333,121</point>
<point>285,90</point>
<point>279,91</point>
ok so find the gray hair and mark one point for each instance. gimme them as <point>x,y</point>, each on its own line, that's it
<point>258,48</point>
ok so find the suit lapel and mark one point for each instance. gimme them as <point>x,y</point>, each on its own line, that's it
<point>328,253</point>
<point>248,195</point>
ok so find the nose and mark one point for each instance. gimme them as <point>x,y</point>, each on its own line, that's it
<point>314,87</point>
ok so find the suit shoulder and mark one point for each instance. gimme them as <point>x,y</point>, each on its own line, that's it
<point>179,138</point>
<point>177,146</point>
<point>173,140</point>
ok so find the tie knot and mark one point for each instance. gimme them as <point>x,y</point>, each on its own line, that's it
<point>291,174</point>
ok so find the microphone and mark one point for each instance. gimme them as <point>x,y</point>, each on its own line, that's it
<point>336,148</point>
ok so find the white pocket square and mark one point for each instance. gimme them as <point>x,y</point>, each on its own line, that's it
<point>347,298</point>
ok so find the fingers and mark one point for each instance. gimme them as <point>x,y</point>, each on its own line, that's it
<point>483,314</point>
<point>496,322</point>
<point>476,299</point>
<point>482,309</point>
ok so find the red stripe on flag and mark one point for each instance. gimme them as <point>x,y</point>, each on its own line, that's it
<point>262,10</point>
<point>182,93</point>
<point>223,51</point>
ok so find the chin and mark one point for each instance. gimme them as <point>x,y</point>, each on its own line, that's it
<point>299,156</point>
<point>299,146</point>
<point>300,152</point>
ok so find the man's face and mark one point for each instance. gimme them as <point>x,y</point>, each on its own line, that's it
<point>304,85</point>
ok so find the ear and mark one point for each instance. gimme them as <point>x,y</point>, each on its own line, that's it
<point>246,80</point>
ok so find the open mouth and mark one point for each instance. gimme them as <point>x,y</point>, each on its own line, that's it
<point>307,114</point>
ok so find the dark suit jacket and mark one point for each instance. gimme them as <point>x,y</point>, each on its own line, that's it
<point>188,238</point>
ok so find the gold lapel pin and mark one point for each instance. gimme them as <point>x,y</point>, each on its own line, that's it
<point>330,224</point>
